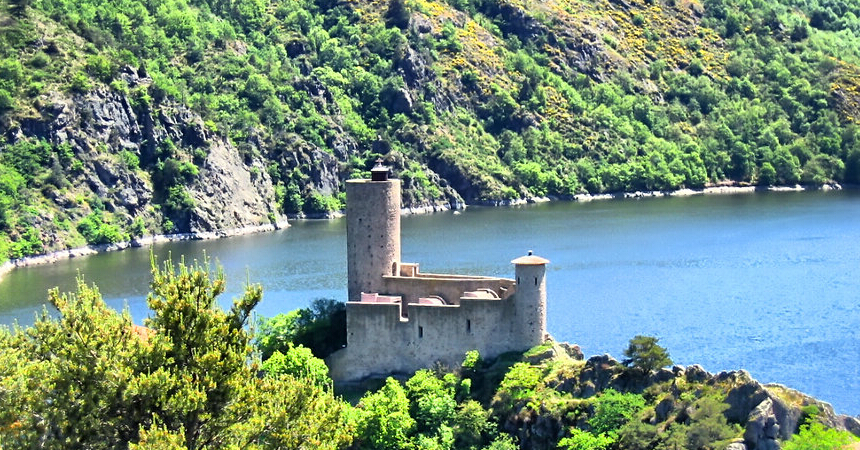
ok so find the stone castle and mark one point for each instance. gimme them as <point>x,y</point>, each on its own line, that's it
<point>400,320</point>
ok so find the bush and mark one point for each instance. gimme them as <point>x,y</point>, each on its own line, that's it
<point>613,409</point>
<point>583,440</point>
<point>7,102</point>
<point>28,243</point>
<point>80,83</point>
<point>100,67</point>
<point>519,383</point>
<point>40,60</point>
<point>815,436</point>
<point>96,231</point>
<point>11,71</point>
<point>137,228</point>
<point>130,160</point>
<point>178,200</point>
<point>767,175</point>
<point>431,401</point>
<point>472,361</point>
<point>708,425</point>
<point>318,203</point>
<point>29,159</point>
<point>292,201</point>
<point>300,363</point>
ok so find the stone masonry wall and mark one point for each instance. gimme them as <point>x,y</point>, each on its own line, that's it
<point>380,342</point>
<point>373,234</point>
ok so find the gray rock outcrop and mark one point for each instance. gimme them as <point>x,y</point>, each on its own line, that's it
<point>102,124</point>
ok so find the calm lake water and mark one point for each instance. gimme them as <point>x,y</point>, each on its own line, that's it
<point>767,282</point>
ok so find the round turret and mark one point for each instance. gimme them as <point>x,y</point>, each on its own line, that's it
<point>372,231</point>
<point>530,299</point>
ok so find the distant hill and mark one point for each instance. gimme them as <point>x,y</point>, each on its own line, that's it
<point>120,118</point>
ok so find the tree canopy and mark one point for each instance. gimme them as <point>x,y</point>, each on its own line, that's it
<point>645,354</point>
<point>92,379</point>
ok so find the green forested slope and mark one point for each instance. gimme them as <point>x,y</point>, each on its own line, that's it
<point>470,101</point>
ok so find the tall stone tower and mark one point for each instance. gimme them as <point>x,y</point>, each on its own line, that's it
<point>530,299</point>
<point>372,231</point>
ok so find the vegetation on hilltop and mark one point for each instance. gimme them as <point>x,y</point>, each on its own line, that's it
<point>470,100</point>
<point>90,379</point>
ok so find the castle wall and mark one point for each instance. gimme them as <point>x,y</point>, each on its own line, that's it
<point>449,288</point>
<point>372,234</point>
<point>380,342</point>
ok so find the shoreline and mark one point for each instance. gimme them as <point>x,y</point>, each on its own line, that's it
<point>145,241</point>
<point>686,192</point>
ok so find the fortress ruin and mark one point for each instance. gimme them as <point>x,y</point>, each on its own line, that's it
<point>400,320</point>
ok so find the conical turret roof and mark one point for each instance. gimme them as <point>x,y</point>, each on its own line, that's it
<point>530,260</point>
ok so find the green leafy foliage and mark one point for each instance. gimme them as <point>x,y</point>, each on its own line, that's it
<point>431,401</point>
<point>320,328</point>
<point>384,422</point>
<point>300,363</point>
<point>645,354</point>
<point>584,440</point>
<point>815,436</point>
<point>318,203</point>
<point>423,414</point>
<point>92,378</point>
<point>96,231</point>
<point>519,384</point>
<point>613,409</point>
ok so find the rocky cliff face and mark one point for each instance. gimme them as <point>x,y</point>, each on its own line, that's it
<point>102,127</point>
<point>121,141</point>
<point>768,414</point>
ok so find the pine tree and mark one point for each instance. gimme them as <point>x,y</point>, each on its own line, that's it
<point>397,14</point>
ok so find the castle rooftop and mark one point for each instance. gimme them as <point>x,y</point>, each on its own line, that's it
<point>530,260</point>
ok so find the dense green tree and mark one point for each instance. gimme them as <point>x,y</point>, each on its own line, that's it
<point>431,401</point>
<point>320,328</point>
<point>397,14</point>
<point>708,427</point>
<point>384,422</point>
<point>300,363</point>
<point>92,379</point>
<point>645,354</point>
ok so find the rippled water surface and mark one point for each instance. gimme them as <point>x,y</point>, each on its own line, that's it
<point>765,282</point>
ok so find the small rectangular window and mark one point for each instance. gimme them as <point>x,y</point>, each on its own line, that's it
<point>420,332</point>
<point>468,326</point>
<point>535,281</point>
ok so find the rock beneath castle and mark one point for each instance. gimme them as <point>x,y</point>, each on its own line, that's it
<point>762,427</point>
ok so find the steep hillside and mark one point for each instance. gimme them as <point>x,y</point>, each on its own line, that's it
<point>120,118</point>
